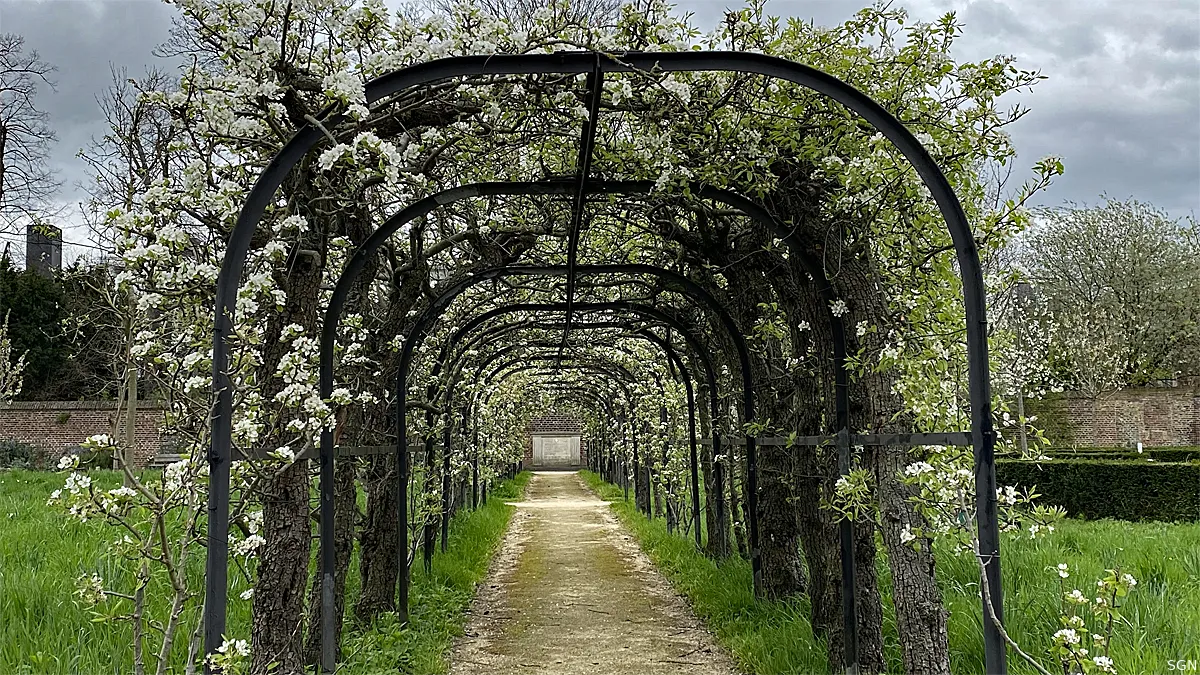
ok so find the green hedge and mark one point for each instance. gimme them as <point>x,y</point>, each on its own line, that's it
<point>1172,454</point>
<point>1111,488</point>
<point>1167,454</point>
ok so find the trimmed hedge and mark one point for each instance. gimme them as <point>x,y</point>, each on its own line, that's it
<point>1111,488</point>
<point>1180,454</point>
<point>1171,454</point>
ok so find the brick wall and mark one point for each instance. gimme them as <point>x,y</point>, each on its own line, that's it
<point>555,424</point>
<point>1158,417</point>
<point>58,426</point>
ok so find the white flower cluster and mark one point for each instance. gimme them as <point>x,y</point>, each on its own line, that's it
<point>248,546</point>
<point>90,589</point>
<point>367,153</point>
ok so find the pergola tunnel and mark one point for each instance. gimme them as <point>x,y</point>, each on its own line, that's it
<point>659,359</point>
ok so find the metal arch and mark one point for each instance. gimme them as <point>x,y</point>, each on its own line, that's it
<point>495,332</point>
<point>673,358</point>
<point>619,381</point>
<point>507,350</point>
<point>427,205</point>
<point>623,381</point>
<point>637,309</point>
<point>606,403</point>
<point>544,307</point>
<point>604,459</point>
<point>563,389</point>
<point>551,327</point>
<point>599,455</point>
<point>513,308</point>
<point>513,373</point>
<point>690,288</point>
<point>309,135</point>
<point>480,319</point>
<point>747,382</point>
<point>533,307</point>
<point>591,394</point>
<point>579,362</point>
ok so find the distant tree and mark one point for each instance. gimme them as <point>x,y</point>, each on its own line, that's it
<point>26,181</point>
<point>135,150</point>
<point>34,306</point>
<point>60,331</point>
<point>1122,283</point>
<point>93,336</point>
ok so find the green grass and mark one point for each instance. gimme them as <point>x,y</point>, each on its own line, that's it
<point>43,551</point>
<point>1162,616</point>
<point>439,600</point>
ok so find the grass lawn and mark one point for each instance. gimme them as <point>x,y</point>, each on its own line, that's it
<point>43,551</point>
<point>1162,615</point>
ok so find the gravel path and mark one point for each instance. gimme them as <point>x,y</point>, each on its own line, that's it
<point>570,593</point>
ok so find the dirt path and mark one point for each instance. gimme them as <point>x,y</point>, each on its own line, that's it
<point>570,593</point>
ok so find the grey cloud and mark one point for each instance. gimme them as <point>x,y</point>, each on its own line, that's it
<point>81,38</point>
<point>1121,105</point>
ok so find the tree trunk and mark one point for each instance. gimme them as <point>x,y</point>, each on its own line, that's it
<point>282,574</point>
<point>735,503</point>
<point>656,489</point>
<point>641,479</point>
<point>379,560</point>
<point>920,612</point>
<point>778,524</point>
<point>716,511</point>
<point>870,602</point>
<point>346,509</point>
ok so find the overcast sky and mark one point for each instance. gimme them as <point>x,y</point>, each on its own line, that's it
<point>1121,105</point>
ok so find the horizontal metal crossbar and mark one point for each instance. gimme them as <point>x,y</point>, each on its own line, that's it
<point>908,440</point>
<point>342,451</point>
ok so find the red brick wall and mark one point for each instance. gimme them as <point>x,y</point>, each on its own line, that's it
<point>58,426</point>
<point>1158,417</point>
<point>554,424</point>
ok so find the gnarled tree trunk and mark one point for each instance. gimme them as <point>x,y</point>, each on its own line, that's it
<point>346,510</point>
<point>282,572</point>
<point>379,540</point>
<point>716,511</point>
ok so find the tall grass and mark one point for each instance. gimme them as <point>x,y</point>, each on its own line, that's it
<point>1161,617</point>
<point>438,600</point>
<point>43,551</point>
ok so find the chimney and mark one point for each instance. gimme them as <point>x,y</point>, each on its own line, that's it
<point>43,248</point>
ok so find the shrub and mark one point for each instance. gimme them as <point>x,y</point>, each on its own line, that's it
<point>18,455</point>
<point>1111,488</point>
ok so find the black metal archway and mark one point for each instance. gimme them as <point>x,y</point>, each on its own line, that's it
<point>594,65</point>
